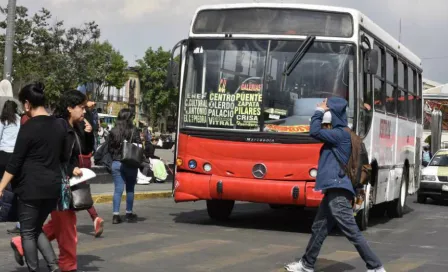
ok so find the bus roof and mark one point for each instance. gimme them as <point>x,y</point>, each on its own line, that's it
<point>358,18</point>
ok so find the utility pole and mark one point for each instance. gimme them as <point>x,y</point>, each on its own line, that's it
<point>9,43</point>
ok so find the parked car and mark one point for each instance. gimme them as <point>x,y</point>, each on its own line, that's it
<point>434,178</point>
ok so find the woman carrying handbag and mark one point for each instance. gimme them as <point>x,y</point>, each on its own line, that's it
<point>85,143</point>
<point>124,145</point>
<point>62,225</point>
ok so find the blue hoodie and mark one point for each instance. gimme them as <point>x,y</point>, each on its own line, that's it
<point>337,142</point>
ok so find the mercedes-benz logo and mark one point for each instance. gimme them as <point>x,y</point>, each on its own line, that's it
<point>259,170</point>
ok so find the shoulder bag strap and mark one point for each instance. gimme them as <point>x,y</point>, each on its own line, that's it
<point>79,143</point>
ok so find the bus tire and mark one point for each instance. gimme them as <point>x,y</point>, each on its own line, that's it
<point>220,209</point>
<point>395,208</point>
<point>362,218</point>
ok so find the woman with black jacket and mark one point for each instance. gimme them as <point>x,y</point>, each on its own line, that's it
<point>85,146</point>
<point>62,225</point>
<point>35,166</point>
<point>123,174</point>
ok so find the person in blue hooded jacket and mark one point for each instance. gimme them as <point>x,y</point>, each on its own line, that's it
<point>336,206</point>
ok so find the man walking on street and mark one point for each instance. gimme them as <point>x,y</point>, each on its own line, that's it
<point>336,206</point>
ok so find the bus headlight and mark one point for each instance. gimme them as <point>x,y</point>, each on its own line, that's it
<point>313,173</point>
<point>192,164</point>
<point>207,167</point>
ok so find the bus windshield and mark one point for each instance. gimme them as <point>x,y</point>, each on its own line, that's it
<point>224,83</point>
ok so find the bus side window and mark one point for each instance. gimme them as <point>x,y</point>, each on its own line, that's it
<point>366,102</point>
<point>379,81</point>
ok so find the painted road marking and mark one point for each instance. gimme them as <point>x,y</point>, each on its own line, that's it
<point>107,243</point>
<point>404,264</point>
<point>240,257</point>
<point>164,252</point>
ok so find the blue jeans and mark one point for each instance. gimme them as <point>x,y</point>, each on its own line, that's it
<point>336,209</point>
<point>123,175</point>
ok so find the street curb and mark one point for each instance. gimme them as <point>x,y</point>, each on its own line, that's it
<point>107,198</point>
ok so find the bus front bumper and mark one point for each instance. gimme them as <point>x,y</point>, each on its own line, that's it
<point>194,187</point>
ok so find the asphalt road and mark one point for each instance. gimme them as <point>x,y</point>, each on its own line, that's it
<point>181,237</point>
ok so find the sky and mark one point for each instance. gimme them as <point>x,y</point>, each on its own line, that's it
<point>132,26</point>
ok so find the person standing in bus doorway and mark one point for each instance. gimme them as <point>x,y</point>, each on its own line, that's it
<point>336,206</point>
<point>426,156</point>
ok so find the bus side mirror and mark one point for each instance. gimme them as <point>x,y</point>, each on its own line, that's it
<point>172,79</point>
<point>173,75</point>
<point>371,58</point>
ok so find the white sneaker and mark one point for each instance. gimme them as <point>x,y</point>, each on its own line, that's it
<point>297,267</point>
<point>143,181</point>
<point>381,269</point>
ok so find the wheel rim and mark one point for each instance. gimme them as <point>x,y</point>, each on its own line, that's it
<point>403,193</point>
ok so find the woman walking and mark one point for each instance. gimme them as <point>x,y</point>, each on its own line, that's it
<point>85,140</point>
<point>122,174</point>
<point>9,129</point>
<point>35,167</point>
<point>62,225</point>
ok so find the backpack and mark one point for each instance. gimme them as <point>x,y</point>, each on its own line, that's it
<point>358,168</point>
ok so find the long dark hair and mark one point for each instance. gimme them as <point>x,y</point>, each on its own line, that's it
<point>123,128</point>
<point>124,123</point>
<point>34,94</point>
<point>70,98</point>
<point>9,113</point>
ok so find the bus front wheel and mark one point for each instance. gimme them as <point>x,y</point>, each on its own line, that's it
<point>395,208</point>
<point>220,209</point>
<point>362,218</point>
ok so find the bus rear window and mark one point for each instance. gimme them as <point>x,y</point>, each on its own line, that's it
<point>274,21</point>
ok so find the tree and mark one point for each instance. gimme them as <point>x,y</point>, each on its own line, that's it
<point>106,68</point>
<point>157,99</point>
<point>48,52</point>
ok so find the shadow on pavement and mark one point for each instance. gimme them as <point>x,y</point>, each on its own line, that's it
<point>332,266</point>
<point>85,261</point>
<point>260,216</point>
<point>85,229</point>
<point>84,264</point>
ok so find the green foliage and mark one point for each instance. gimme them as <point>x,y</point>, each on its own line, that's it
<point>157,99</point>
<point>44,50</point>
<point>106,67</point>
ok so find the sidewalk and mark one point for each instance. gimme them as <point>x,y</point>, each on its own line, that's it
<point>103,177</point>
<point>103,193</point>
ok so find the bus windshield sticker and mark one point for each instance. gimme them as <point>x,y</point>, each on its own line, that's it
<point>287,129</point>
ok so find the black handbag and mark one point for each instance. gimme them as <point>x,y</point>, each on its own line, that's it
<point>81,197</point>
<point>132,155</point>
<point>8,206</point>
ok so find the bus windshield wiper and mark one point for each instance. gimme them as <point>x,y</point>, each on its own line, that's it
<point>300,53</point>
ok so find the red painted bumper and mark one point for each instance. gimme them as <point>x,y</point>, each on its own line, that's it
<point>193,187</point>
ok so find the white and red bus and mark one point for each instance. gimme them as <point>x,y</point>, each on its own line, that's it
<point>250,76</point>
